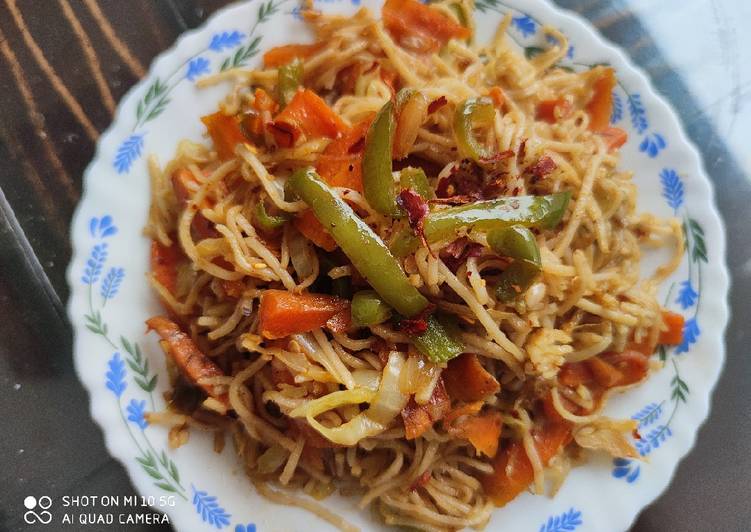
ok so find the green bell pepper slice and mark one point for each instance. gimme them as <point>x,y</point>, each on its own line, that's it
<point>377,180</point>
<point>416,179</point>
<point>438,342</point>
<point>544,212</point>
<point>519,243</point>
<point>368,309</point>
<point>289,80</point>
<point>267,222</point>
<point>368,253</point>
<point>472,111</point>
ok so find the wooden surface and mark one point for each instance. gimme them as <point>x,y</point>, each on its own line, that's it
<point>63,66</point>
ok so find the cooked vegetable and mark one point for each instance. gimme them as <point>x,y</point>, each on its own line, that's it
<point>614,137</point>
<point>289,79</point>
<point>307,223</point>
<point>543,212</point>
<point>415,179</point>
<point>518,243</point>
<point>267,222</point>
<point>282,313</point>
<point>225,132</point>
<point>512,470</point>
<point>385,405</point>
<point>306,114</point>
<point>601,103</point>
<point>377,180</point>
<point>607,370</point>
<point>282,55</point>
<point>369,309</point>
<point>164,261</point>
<point>340,164</point>
<point>472,112</point>
<point>674,322</point>
<point>467,380</point>
<point>483,431</point>
<point>551,110</point>
<point>419,26</point>
<point>419,418</point>
<point>437,343</point>
<point>365,249</point>
<point>191,361</point>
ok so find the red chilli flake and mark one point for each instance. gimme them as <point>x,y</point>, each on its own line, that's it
<point>417,325</point>
<point>437,104</point>
<point>458,251</point>
<point>417,210</point>
<point>522,153</point>
<point>542,167</point>
<point>421,481</point>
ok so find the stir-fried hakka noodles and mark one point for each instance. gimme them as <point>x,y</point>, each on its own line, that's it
<point>407,269</point>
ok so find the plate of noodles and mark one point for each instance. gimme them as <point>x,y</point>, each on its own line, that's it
<point>434,266</point>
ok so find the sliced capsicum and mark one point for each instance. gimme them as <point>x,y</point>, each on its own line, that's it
<point>377,180</point>
<point>518,243</point>
<point>267,222</point>
<point>289,79</point>
<point>544,212</point>
<point>471,112</point>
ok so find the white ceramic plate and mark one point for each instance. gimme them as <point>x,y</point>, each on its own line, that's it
<point>123,369</point>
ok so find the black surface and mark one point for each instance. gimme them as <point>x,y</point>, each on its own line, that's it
<point>50,446</point>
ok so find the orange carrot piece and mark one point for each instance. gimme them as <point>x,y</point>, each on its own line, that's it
<point>191,361</point>
<point>233,288</point>
<point>306,114</point>
<point>419,418</point>
<point>674,333</point>
<point>263,101</point>
<point>466,409</point>
<point>574,373</point>
<point>601,104</point>
<point>307,223</point>
<point>496,94</point>
<point>614,137</point>
<point>282,313</point>
<point>340,164</point>
<point>605,374</point>
<point>420,26</point>
<point>467,380</point>
<point>483,432</point>
<point>340,322</point>
<point>546,110</point>
<point>225,132</point>
<point>512,470</point>
<point>281,55</point>
<point>164,261</point>
<point>632,364</point>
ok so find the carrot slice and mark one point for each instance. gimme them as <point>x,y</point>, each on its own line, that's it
<point>281,55</point>
<point>574,373</point>
<point>419,418</point>
<point>546,110</point>
<point>601,104</point>
<point>307,223</point>
<point>482,431</point>
<point>306,114</point>
<point>512,470</point>
<point>191,361</point>
<point>225,132</point>
<point>282,313</point>
<point>605,374</point>
<point>614,137</point>
<point>419,26</point>
<point>496,94</point>
<point>164,261</point>
<point>467,380</point>
<point>674,333</point>
<point>632,364</point>
<point>340,164</point>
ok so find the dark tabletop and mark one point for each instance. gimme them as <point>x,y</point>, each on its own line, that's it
<point>63,65</point>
